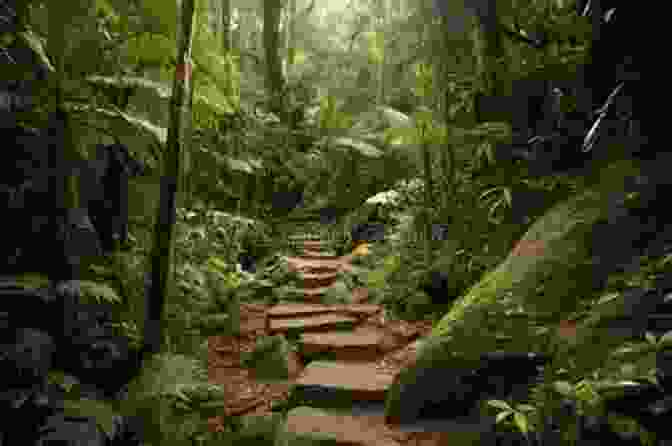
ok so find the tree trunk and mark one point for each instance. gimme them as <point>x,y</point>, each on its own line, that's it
<point>274,80</point>
<point>429,202</point>
<point>162,255</point>
<point>226,25</point>
<point>62,151</point>
<point>291,33</point>
<point>492,48</point>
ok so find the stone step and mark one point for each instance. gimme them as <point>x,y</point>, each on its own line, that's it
<point>319,280</point>
<point>359,345</point>
<point>313,245</point>
<point>323,269</point>
<point>337,427</point>
<point>290,309</point>
<point>315,266</point>
<point>315,253</point>
<point>310,256</point>
<point>310,323</point>
<point>360,295</point>
<point>307,425</point>
<point>314,295</point>
<point>360,309</point>
<point>286,310</point>
<point>348,381</point>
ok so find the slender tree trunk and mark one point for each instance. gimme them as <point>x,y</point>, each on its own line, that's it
<point>429,201</point>
<point>226,25</point>
<point>62,149</point>
<point>291,33</point>
<point>491,47</point>
<point>383,21</point>
<point>162,255</point>
<point>272,10</point>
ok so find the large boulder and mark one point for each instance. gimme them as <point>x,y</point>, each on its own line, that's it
<point>565,256</point>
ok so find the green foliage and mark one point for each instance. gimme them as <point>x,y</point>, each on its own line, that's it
<point>514,416</point>
<point>99,292</point>
<point>258,430</point>
<point>174,399</point>
<point>269,359</point>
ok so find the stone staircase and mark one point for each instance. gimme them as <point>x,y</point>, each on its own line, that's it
<point>333,331</point>
<point>342,390</point>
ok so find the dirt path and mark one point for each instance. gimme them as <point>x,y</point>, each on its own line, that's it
<point>363,359</point>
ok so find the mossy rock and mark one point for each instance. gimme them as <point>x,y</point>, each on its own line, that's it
<point>544,283</point>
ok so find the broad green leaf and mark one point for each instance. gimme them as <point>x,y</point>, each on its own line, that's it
<point>161,15</point>
<point>360,146</point>
<point>151,49</point>
<point>386,197</point>
<point>502,416</point>
<point>104,7</point>
<point>564,388</point>
<point>401,135</point>
<point>395,118</point>
<point>521,422</point>
<point>217,263</point>
<point>35,44</point>
<point>500,404</point>
<point>103,413</point>
<point>526,408</point>
<point>159,134</point>
<point>160,89</point>
<point>100,291</point>
<point>239,165</point>
<point>666,338</point>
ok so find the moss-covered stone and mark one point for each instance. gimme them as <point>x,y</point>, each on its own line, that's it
<point>546,282</point>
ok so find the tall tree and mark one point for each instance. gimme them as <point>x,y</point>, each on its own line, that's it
<point>162,255</point>
<point>274,79</point>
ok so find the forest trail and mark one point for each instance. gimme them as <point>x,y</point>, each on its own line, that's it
<point>348,353</point>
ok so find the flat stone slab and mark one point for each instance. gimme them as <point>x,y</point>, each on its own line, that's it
<point>312,256</point>
<point>296,309</point>
<point>361,309</point>
<point>362,380</point>
<point>312,243</point>
<point>319,280</point>
<point>315,294</point>
<point>289,309</point>
<point>369,429</point>
<point>368,338</point>
<point>320,321</point>
<point>315,253</point>
<point>360,295</point>
<point>315,265</point>
<point>336,429</point>
<point>361,345</point>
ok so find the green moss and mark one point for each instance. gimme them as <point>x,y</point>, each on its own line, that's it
<point>549,284</point>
